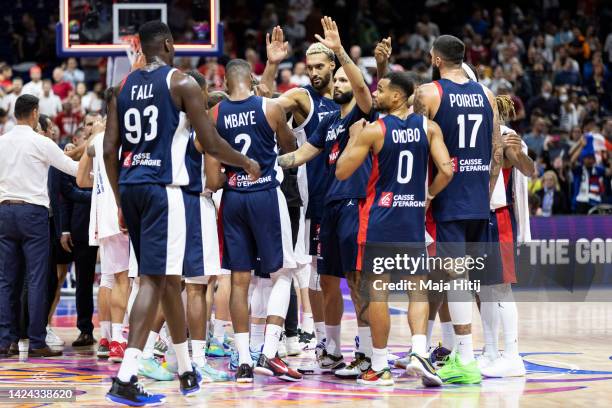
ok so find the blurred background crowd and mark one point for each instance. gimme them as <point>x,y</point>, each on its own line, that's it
<point>552,57</point>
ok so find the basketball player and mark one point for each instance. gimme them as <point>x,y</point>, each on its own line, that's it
<point>308,105</point>
<point>114,248</point>
<point>401,144</point>
<point>339,222</point>
<point>202,259</point>
<point>467,114</point>
<point>508,224</point>
<point>147,117</point>
<point>254,217</point>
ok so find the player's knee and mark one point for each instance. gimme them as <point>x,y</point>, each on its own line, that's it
<point>107,281</point>
<point>315,281</point>
<point>303,276</point>
<point>283,274</point>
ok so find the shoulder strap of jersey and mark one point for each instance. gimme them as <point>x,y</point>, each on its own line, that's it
<point>440,90</point>
<point>425,124</point>
<point>310,113</point>
<point>382,125</point>
<point>169,76</point>
<point>215,112</point>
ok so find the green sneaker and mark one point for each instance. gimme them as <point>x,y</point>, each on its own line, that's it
<point>216,349</point>
<point>455,372</point>
<point>211,374</point>
<point>151,368</point>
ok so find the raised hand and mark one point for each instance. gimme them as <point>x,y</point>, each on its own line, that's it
<point>382,52</point>
<point>332,35</point>
<point>276,46</point>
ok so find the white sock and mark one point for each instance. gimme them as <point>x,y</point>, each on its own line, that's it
<point>132,298</point>
<point>117,335</point>
<point>319,328</point>
<point>307,323</point>
<point>271,340</point>
<point>333,340</point>
<point>197,352</point>
<point>182,357</point>
<point>129,365</point>
<point>219,329</point>
<point>105,329</point>
<point>150,345</point>
<point>430,326</point>
<point>257,336</point>
<point>365,340</point>
<point>490,327</point>
<point>448,335</point>
<point>465,349</point>
<point>379,359</point>
<point>509,319</point>
<point>241,340</point>
<point>126,320</point>
<point>419,344</point>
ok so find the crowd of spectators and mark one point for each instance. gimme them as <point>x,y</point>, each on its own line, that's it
<point>554,61</point>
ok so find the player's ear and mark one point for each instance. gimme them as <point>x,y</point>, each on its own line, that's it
<point>332,64</point>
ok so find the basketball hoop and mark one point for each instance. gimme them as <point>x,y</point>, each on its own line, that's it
<point>133,51</point>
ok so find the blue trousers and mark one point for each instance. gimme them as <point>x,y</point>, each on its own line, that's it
<point>24,232</point>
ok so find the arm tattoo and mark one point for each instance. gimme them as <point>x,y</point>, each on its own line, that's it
<point>286,161</point>
<point>344,58</point>
<point>419,105</point>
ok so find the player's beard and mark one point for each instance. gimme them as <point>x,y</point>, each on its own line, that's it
<point>343,98</point>
<point>435,73</point>
<point>323,83</point>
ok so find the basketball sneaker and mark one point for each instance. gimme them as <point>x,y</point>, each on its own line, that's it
<point>234,362</point>
<point>455,372</point>
<point>215,348</point>
<point>117,349</point>
<point>486,359</point>
<point>275,367</point>
<point>132,393</point>
<point>103,348</point>
<point>160,348</point>
<point>170,360</point>
<point>211,374</point>
<point>324,364</point>
<point>422,367</point>
<point>308,341</point>
<point>190,381</point>
<point>438,356</point>
<point>244,374</point>
<point>53,339</point>
<point>358,366</point>
<point>371,377</point>
<point>282,346</point>
<point>293,346</point>
<point>505,367</point>
<point>152,368</point>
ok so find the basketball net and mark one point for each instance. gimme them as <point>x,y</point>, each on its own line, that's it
<point>133,51</point>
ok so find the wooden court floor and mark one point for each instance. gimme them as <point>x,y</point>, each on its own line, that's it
<point>567,348</point>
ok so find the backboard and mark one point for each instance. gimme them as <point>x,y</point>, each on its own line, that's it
<point>95,27</point>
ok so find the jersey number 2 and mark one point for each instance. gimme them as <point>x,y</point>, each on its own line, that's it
<point>243,137</point>
<point>133,124</point>
<point>477,119</point>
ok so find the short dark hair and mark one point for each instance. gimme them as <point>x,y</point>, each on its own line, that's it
<point>43,120</point>
<point>25,105</point>
<point>200,79</point>
<point>450,48</point>
<point>238,67</point>
<point>3,113</point>
<point>402,81</point>
<point>151,32</point>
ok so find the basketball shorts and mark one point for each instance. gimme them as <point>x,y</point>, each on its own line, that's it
<point>501,249</point>
<point>338,238</point>
<point>256,225</point>
<point>114,254</point>
<point>461,237</point>
<point>155,218</point>
<point>202,255</point>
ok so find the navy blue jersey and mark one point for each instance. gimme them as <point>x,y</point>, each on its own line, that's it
<point>466,119</point>
<point>332,136</point>
<point>394,209</point>
<point>194,161</point>
<point>243,124</point>
<point>154,132</point>
<point>316,168</point>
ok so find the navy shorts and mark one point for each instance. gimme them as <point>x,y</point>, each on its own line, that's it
<point>501,249</point>
<point>156,221</point>
<point>193,264</point>
<point>461,237</point>
<point>338,238</point>
<point>256,225</point>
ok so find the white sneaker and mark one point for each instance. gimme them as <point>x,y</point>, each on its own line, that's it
<point>53,339</point>
<point>402,362</point>
<point>293,346</point>
<point>421,367</point>
<point>505,367</point>
<point>355,369</point>
<point>282,347</point>
<point>324,364</point>
<point>24,345</point>
<point>485,359</point>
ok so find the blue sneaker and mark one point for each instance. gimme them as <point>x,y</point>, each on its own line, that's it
<point>132,394</point>
<point>190,381</point>
<point>211,374</point>
<point>151,368</point>
<point>234,363</point>
<point>216,349</point>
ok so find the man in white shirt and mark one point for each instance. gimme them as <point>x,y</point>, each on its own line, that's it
<point>34,87</point>
<point>6,123</point>
<point>25,158</point>
<point>8,102</point>
<point>49,104</point>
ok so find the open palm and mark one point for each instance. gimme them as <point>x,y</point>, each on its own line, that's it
<point>332,36</point>
<point>276,47</point>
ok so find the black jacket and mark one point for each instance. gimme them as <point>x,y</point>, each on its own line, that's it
<point>559,201</point>
<point>75,208</point>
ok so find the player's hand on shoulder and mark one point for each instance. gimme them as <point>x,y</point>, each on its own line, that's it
<point>357,127</point>
<point>276,46</point>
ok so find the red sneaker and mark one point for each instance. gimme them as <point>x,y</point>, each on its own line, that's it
<point>103,348</point>
<point>277,368</point>
<point>116,351</point>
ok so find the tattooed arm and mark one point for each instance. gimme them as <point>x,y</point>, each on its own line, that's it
<point>426,100</point>
<point>497,150</point>
<point>304,154</point>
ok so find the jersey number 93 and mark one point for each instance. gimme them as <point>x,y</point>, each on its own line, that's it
<point>133,119</point>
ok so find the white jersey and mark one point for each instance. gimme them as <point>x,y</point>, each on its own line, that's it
<point>103,218</point>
